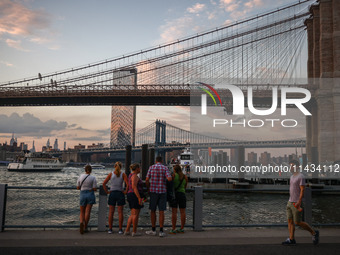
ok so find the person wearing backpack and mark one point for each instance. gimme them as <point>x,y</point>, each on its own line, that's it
<point>180,182</point>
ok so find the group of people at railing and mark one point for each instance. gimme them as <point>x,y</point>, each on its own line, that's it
<point>162,187</point>
<point>156,181</point>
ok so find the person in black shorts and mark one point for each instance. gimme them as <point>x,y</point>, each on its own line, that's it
<point>134,197</point>
<point>116,195</point>
<point>180,183</point>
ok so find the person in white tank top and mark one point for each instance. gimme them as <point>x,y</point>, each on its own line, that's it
<point>116,195</point>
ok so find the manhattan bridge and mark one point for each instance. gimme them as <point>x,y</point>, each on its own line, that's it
<point>257,51</point>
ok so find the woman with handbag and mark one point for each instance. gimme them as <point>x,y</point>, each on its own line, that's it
<point>180,182</point>
<point>135,198</point>
<point>87,184</point>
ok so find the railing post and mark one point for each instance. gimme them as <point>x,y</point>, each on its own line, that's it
<point>102,209</point>
<point>3,198</point>
<point>198,208</point>
<point>308,205</point>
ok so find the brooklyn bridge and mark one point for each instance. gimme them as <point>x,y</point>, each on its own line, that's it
<point>262,52</point>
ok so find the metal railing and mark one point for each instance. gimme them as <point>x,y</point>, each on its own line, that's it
<point>58,207</point>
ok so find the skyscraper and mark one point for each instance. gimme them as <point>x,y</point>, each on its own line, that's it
<point>33,148</point>
<point>123,118</point>
<point>122,125</point>
<point>55,146</point>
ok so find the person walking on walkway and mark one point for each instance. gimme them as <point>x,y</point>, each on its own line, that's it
<point>87,184</point>
<point>156,182</point>
<point>180,184</point>
<point>134,197</point>
<point>116,195</point>
<point>294,211</point>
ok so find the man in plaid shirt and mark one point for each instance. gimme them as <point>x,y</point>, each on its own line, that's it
<point>156,182</point>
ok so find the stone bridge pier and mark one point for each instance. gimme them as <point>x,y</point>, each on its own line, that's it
<point>323,127</point>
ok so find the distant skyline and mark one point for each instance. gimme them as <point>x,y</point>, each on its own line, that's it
<point>46,36</point>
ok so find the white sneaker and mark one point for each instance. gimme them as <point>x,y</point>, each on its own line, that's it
<point>126,233</point>
<point>110,231</point>
<point>162,234</point>
<point>136,234</point>
<point>151,233</point>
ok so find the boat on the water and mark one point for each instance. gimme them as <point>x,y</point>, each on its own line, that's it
<point>36,162</point>
<point>97,166</point>
<point>185,160</point>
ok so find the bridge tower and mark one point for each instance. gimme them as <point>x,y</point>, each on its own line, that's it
<point>160,138</point>
<point>323,32</point>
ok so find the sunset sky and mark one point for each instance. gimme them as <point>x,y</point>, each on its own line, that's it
<point>43,36</point>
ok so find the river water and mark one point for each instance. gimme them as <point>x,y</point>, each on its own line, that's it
<point>32,207</point>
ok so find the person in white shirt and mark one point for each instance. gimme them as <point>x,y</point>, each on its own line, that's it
<point>87,184</point>
<point>294,210</point>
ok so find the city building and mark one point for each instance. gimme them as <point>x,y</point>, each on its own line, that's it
<point>33,147</point>
<point>252,158</point>
<point>234,156</point>
<point>123,118</point>
<point>79,147</point>
<point>265,158</point>
<point>55,146</point>
<point>13,140</point>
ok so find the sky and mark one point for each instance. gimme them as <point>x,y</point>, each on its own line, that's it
<point>43,36</point>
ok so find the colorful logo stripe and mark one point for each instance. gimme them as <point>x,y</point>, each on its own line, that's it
<point>213,90</point>
<point>208,92</point>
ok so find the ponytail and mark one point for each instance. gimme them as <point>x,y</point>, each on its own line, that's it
<point>118,167</point>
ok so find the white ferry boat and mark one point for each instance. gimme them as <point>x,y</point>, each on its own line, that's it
<point>186,160</point>
<point>186,157</point>
<point>97,166</point>
<point>36,162</point>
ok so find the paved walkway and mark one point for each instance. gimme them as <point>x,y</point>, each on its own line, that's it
<point>209,241</point>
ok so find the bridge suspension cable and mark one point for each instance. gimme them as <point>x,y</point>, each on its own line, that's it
<point>265,48</point>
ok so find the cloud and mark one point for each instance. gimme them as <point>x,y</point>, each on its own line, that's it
<point>16,19</point>
<point>175,29</point>
<point>232,7</point>
<point>28,124</point>
<point>200,17</point>
<point>226,2</point>
<point>19,21</point>
<point>253,3</point>
<point>16,44</point>
<point>6,63</point>
<point>196,8</point>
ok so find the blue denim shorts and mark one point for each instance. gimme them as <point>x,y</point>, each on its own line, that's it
<point>87,197</point>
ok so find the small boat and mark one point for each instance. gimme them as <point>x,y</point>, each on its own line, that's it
<point>97,166</point>
<point>185,160</point>
<point>186,157</point>
<point>36,162</point>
